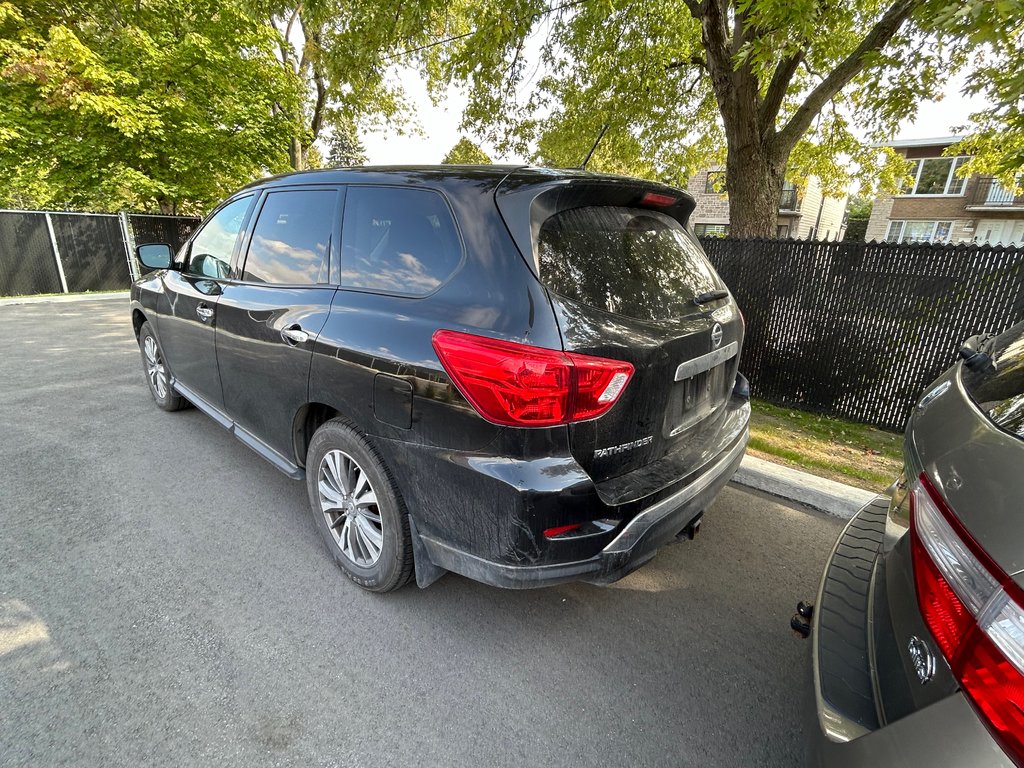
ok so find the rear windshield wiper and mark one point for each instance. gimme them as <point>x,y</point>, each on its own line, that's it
<point>707,298</point>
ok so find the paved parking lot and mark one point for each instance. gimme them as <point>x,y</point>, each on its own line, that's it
<point>165,600</point>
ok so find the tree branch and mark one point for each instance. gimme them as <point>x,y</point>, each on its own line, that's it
<point>695,7</point>
<point>846,70</point>
<point>291,21</point>
<point>692,61</point>
<point>317,118</point>
<point>777,89</point>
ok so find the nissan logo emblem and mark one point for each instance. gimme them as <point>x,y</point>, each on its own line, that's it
<point>716,336</point>
<point>922,658</point>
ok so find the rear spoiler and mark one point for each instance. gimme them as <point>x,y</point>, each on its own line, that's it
<point>525,202</point>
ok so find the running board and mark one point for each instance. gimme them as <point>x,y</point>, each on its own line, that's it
<point>294,471</point>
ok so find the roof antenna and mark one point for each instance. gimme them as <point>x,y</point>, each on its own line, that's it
<point>590,154</point>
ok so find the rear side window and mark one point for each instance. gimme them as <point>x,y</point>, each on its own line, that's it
<point>292,237</point>
<point>629,261</point>
<point>999,390</point>
<point>397,240</point>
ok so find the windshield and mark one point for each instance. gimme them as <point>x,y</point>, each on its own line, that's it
<point>999,390</point>
<point>630,261</point>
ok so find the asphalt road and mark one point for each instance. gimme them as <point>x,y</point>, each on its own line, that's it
<point>165,600</point>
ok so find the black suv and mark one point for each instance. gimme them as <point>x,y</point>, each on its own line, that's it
<point>521,375</point>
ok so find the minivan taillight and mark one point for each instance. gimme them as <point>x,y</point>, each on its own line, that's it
<point>523,386</point>
<point>974,611</point>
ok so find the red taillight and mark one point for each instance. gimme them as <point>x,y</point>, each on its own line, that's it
<point>523,386</point>
<point>974,611</point>
<point>944,613</point>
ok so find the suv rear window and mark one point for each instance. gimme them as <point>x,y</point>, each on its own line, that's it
<point>629,261</point>
<point>999,391</point>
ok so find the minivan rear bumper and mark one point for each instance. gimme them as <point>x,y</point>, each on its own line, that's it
<point>842,714</point>
<point>635,544</point>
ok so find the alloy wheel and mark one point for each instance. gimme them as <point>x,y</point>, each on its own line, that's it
<point>155,367</point>
<point>349,505</point>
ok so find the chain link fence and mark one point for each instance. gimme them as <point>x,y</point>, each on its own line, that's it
<point>62,252</point>
<point>858,330</point>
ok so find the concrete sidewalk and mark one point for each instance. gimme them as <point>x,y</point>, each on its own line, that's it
<point>63,298</point>
<point>810,490</point>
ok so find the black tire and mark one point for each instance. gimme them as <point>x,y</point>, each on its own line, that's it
<point>393,566</point>
<point>168,401</point>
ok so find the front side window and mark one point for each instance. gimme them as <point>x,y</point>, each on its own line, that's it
<point>936,176</point>
<point>210,253</point>
<point>398,240</point>
<point>291,239</point>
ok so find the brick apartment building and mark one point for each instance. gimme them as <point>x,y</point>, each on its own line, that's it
<point>804,214</point>
<point>941,207</point>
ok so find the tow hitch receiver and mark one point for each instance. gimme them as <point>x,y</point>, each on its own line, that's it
<point>690,532</point>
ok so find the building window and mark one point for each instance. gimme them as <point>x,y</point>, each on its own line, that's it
<point>783,231</point>
<point>788,199</point>
<point>919,231</point>
<point>711,230</point>
<point>936,176</point>
<point>714,184</point>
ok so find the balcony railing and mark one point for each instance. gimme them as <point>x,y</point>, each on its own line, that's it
<point>788,201</point>
<point>988,192</point>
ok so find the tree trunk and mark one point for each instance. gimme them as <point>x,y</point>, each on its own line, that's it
<point>754,181</point>
<point>295,155</point>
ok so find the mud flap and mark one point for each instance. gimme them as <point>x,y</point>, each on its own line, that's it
<point>426,572</point>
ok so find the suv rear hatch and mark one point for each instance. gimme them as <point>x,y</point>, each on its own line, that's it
<point>628,281</point>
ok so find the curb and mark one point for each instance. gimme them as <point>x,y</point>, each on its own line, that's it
<point>794,485</point>
<point>63,298</point>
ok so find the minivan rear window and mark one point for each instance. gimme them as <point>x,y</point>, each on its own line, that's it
<point>999,390</point>
<point>628,261</point>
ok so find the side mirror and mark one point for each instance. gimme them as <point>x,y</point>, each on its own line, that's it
<point>155,255</point>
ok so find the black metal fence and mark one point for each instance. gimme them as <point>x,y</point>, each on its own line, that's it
<point>61,252</point>
<point>857,330</point>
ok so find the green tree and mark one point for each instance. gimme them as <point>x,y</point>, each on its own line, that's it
<point>997,132</point>
<point>346,148</point>
<point>858,212</point>
<point>465,152</point>
<point>341,51</point>
<point>138,103</point>
<point>766,86</point>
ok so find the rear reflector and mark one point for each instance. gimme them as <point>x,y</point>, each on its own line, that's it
<point>974,611</point>
<point>653,198</point>
<point>523,386</point>
<point>557,531</point>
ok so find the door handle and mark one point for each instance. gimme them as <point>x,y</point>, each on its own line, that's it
<point>204,312</point>
<point>294,335</point>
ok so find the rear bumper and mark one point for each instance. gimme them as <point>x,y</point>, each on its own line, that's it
<point>844,726</point>
<point>635,544</point>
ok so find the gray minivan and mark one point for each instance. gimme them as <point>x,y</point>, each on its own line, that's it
<point>918,629</point>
